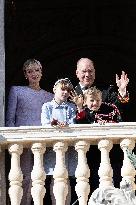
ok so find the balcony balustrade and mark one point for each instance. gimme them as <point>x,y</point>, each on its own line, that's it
<point>81,137</point>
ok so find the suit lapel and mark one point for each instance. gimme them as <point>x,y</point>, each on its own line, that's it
<point>78,90</point>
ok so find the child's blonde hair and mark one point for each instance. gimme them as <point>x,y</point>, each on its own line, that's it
<point>93,91</point>
<point>64,83</point>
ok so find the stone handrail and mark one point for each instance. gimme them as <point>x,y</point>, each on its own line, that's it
<point>93,132</point>
<point>81,136</point>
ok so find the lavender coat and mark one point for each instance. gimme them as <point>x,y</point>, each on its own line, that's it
<point>24,109</point>
<point>24,106</point>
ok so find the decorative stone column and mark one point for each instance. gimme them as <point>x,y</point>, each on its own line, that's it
<point>105,170</point>
<point>82,173</point>
<point>60,175</point>
<point>38,174</point>
<point>15,175</point>
<point>128,170</point>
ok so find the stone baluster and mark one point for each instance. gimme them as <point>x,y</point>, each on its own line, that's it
<point>82,173</point>
<point>60,175</point>
<point>127,170</point>
<point>38,174</point>
<point>105,170</point>
<point>15,175</point>
<point>2,176</point>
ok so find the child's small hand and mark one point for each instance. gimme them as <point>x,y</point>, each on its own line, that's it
<point>77,99</point>
<point>62,124</point>
<point>56,123</point>
<point>102,122</point>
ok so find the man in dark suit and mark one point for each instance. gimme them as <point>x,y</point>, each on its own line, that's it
<point>85,72</point>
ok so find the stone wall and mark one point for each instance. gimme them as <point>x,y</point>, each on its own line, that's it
<point>2,64</point>
<point>2,101</point>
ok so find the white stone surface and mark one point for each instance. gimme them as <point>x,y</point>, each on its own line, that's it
<point>93,133</point>
<point>15,174</point>
<point>114,196</point>
<point>82,172</point>
<point>81,136</point>
<point>38,174</point>
<point>105,170</point>
<point>60,175</point>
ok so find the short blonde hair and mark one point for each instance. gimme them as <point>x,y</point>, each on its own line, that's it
<point>31,62</point>
<point>65,83</point>
<point>93,91</point>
